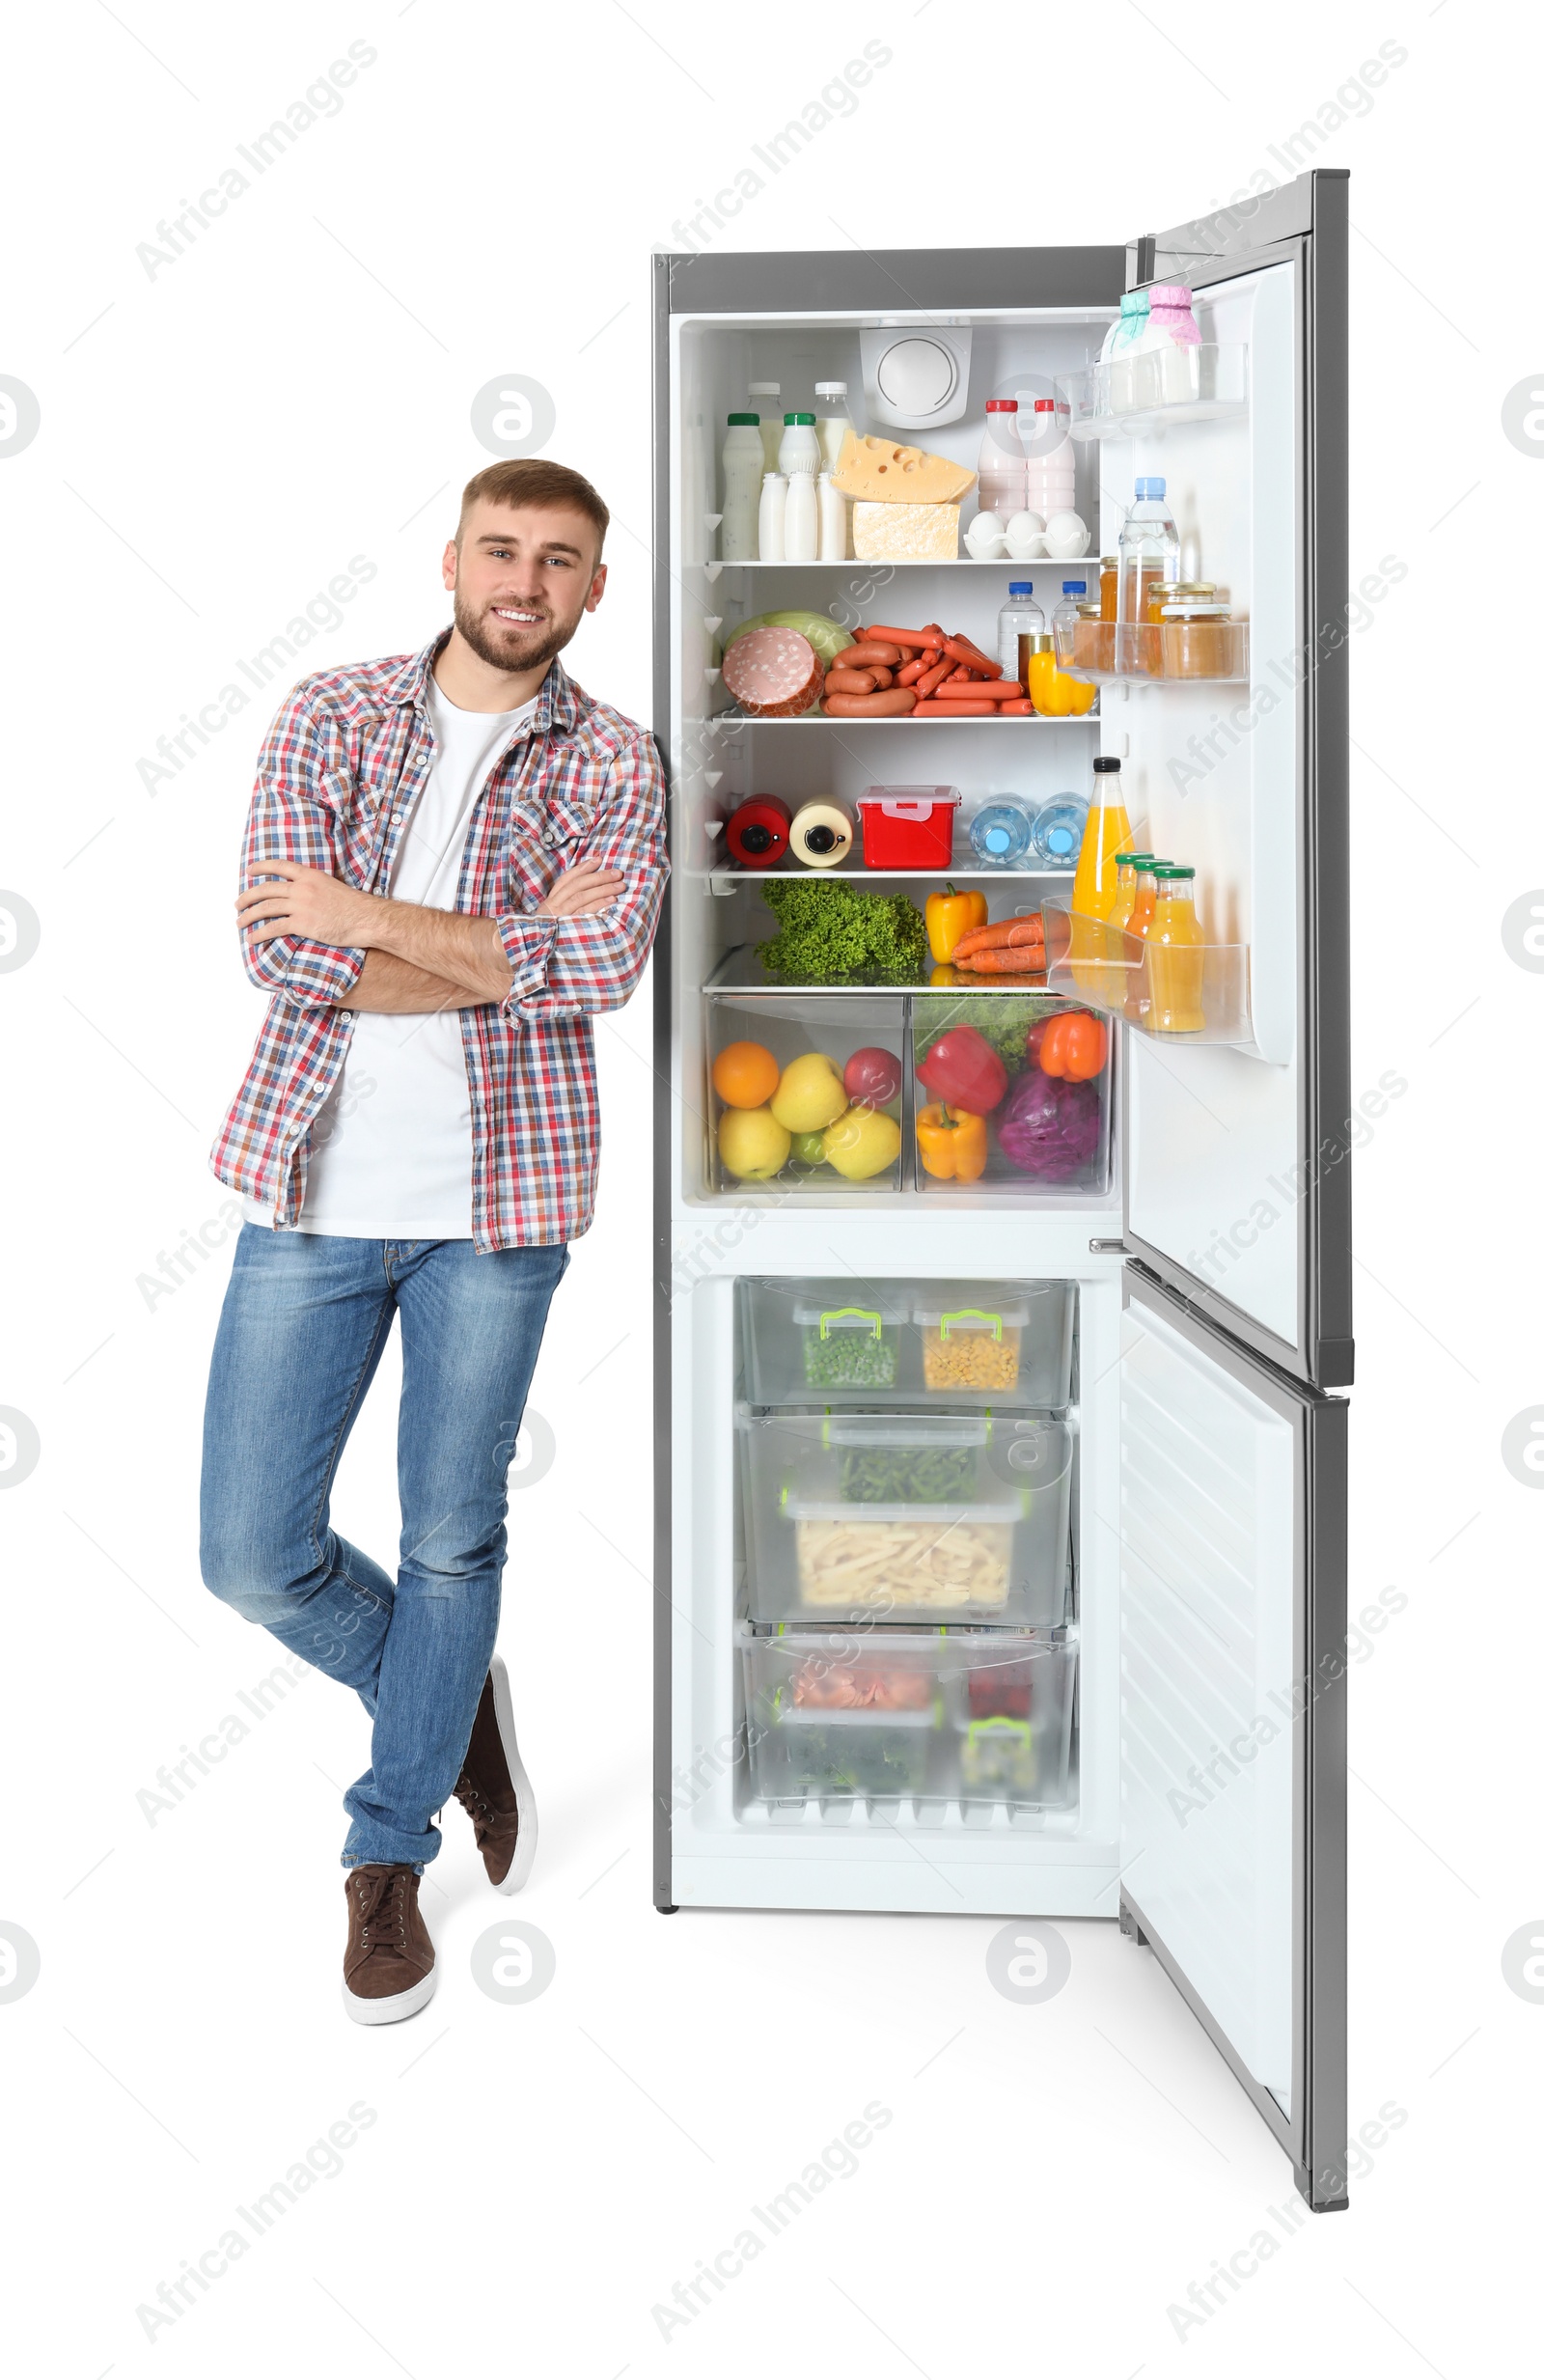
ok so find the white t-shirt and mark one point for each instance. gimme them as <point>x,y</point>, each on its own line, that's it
<point>391,1150</point>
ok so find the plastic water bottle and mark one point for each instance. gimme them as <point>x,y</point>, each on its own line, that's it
<point>1066,614</point>
<point>742,488</point>
<point>1020,616</point>
<point>1051,464</point>
<point>1000,832</point>
<point>1057,834</point>
<point>1000,465</point>
<point>1149,557</point>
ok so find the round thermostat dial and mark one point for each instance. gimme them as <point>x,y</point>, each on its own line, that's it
<point>917,375</point>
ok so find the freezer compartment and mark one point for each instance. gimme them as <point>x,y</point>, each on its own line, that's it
<point>805,1127</point>
<point>1045,1135</point>
<point>905,1517</point>
<point>851,1342</point>
<point>918,1725</point>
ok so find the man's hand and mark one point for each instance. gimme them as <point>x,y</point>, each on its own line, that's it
<point>581,890</point>
<point>318,907</point>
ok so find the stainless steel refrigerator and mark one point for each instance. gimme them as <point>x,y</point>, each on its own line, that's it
<point>1178,1310</point>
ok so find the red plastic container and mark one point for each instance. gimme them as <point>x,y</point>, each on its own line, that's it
<point>908,825</point>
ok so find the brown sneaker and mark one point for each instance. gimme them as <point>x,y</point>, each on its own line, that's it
<point>389,1964</point>
<point>494,1790</point>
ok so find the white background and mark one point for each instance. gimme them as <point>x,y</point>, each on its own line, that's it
<point>218,440</point>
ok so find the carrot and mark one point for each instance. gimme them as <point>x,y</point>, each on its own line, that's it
<point>1010,932</point>
<point>994,962</point>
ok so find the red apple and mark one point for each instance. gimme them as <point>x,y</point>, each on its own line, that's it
<point>871,1077</point>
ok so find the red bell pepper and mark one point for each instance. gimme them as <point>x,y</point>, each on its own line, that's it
<point>963,1069</point>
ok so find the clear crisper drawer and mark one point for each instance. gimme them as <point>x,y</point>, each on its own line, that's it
<point>902,1517</point>
<point>1046,1136</point>
<point>806,1094</point>
<point>981,1721</point>
<point>852,1341</point>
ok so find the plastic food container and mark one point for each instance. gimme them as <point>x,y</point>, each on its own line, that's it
<point>1059,1132</point>
<point>850,1342</point>
<point>908,825</point>
<point>906,1517</point>
<point>971,1347</point>
<point>979,1721</point>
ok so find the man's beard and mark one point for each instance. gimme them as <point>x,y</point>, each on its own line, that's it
<point>503,645</point>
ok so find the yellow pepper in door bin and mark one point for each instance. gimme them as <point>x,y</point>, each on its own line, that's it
<point>949,914</point>
<point>952,1143</point>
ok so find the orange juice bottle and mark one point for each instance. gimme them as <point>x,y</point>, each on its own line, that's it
<point>1143,901</point>
<point>1176,956</point>
<point>1128,864</point>
<point>1108,831</point>
<point>1094,881</point>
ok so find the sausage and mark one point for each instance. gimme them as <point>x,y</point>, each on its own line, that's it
<point>894,705</point>
<point>851,681</point>
<point>914,637</point>
<point>999,690</point>
<point>956,710</point>
<point>1020,708</point>
<point>772,673</point>
<point>958,649</point>
<point>867,655</point>
<point>933,677</point>
<point>913,670</point>
<point>883,678</point>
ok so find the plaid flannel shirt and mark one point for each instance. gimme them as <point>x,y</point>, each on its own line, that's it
<point>344,762</point>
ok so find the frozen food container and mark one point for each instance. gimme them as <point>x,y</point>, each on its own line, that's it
<point>908,825</point>
<point>832,1716</point>
<point>896,1517</point>
<point>981,1719</point>
<point>806,1094</point>
<point>858,1342</point>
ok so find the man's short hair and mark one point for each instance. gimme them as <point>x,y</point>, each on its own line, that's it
<point>532,480</point>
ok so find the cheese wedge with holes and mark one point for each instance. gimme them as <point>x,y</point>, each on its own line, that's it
<point>877,471</point>
<point>905,532</point>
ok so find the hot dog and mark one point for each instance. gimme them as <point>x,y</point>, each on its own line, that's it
<point>851,681</point>
<point>955,710</point>
<point>894,704</point>
<point>933,677</point>
<point>958,649</point>
<point>1021,709</point>
<point>914,637</point>
<point>868,654</point>
<point>999,690</point>
<point>908,674</point>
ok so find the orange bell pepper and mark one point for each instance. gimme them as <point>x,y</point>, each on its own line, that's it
<point>952,1143</point>
<point>950,914</point>
<point>1075,1045</point>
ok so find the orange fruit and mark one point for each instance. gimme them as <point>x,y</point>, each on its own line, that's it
<point>745,1074</point>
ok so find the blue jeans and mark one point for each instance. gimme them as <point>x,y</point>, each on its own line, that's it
<point>301,1333</point>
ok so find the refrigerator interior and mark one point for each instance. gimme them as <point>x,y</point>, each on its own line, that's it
<point>817,1828</point>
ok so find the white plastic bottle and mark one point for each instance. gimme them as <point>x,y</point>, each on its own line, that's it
<point>833,521</point>
<point>1000,465</point>
<point>832,421</point>
<point>771,514</point>
<point>799,461</point>
<point>767,398</point>
<point>1051,464</point>
<point>743,467</point>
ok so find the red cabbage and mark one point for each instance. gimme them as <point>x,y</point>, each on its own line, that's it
<point>1049,1126</point>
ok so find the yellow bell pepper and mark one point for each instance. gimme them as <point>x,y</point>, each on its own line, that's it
<point>950,914</point>
<point>946,975</point>
<point>952,1143</point>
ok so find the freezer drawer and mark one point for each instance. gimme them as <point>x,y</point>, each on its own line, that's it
<point>894,1516</point>
<point>855,1341</point>
<point>980,1723</point>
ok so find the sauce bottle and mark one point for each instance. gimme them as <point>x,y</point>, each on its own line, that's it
<point>821,832</point>
<point>757,833</point>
